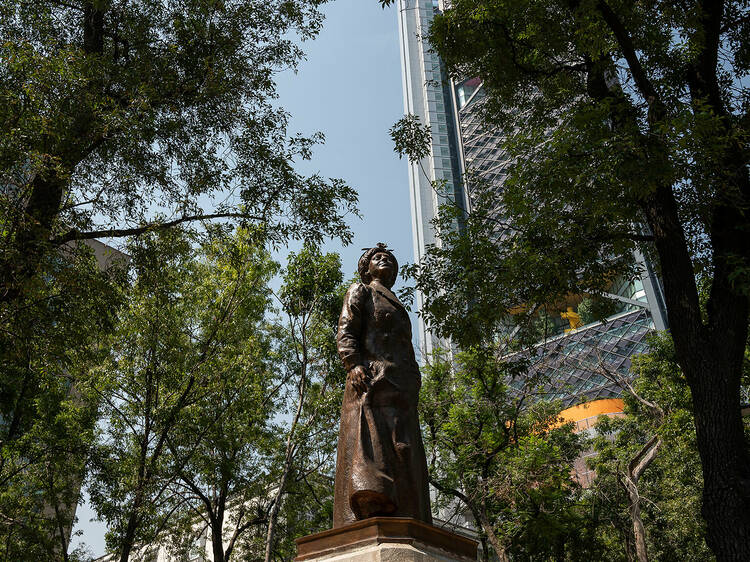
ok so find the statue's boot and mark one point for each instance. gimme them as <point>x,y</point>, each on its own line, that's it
<point>368,503</point>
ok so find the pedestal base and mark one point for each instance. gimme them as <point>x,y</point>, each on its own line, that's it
<point>386,539</point>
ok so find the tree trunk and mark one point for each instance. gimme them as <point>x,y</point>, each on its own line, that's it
<point>62,532</point>
<point>711,358</point>
<point>128,540</point>
<point>217,540</point>
<point>485,549</point>
<point>724,458</point>
<point>630,554</point>
<point>288,459</point>
<point>302,357</point>
<point>502,555</point>
<point>713,371</point>
<point>31,239</point>
<point>274,515</point>
<point>716,362</point>
<point>629,481</point>
<point>639,532</point>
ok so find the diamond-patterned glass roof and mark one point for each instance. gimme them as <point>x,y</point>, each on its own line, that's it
<point>572,366</point>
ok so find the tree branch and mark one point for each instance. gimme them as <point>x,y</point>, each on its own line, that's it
<point>75,234</point>
<point>625,41</point>
<point>731,25</point>
<point>644,458</point>
<point>653,407</point>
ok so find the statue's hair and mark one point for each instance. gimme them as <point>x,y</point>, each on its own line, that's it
<point>364,264</point>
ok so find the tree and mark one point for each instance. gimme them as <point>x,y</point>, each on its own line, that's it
<point>119,117</point>
<point>216,414</point>
<point>629,125</point>
<point>657,407</point>
<point>50,346</point>
<point>311,297</point>
<point>186,378</point>
<point>502,455</point>
<point>220,447</point>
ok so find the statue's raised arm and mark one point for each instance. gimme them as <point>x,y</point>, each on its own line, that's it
<point>380,467</point>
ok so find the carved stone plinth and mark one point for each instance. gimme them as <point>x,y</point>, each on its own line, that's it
<point>386,539</point>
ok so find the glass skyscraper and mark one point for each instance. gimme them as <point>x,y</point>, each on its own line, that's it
<point>576,352</point>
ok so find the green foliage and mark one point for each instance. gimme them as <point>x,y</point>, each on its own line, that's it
<point>303,465</point>
<point>473,283</point>
<point>220,446</point>
<point>588,150</point>
<point>113,111</point>
<point>411,138</point>
<point>51,343</point>
<point>310,280</point>
<point>625,124</point>
<point>595,309</point>
<point>455,279</point>
<point>188,382</point>
<point>503,456</point>
<point>671,486</point>
<point>120,118</point>
<point>248,457</point>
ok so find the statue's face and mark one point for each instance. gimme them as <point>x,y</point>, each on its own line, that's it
<point>381,266</point>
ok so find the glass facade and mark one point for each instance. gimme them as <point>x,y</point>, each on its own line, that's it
<point>484,156</point>
<point>428,94</point>
<point>465,150</point>
<point>574,367</point>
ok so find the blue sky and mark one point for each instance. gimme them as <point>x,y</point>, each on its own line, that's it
<point>349,88</point>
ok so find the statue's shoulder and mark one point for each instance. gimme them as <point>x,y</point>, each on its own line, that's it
<point>357,291</point>
<point>358,288</point>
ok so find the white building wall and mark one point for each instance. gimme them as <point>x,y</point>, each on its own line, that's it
<point>425,96</point>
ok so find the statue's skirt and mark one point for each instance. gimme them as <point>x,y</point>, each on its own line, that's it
<point>380,465</point>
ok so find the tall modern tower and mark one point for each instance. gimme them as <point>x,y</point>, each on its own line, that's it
<point>428,94</point>
<point>577,350</point>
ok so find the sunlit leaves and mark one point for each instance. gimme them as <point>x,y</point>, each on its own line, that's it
<point>498,456</point>
<point>411,138</point>
<point>671,487</point>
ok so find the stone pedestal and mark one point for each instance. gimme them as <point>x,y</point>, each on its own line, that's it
<point>386,539</point>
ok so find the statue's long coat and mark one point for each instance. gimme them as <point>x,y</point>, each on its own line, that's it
<point>380,448</point>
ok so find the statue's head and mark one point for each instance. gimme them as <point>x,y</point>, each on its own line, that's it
<point>378,262</point>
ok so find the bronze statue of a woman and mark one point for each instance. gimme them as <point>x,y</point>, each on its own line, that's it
<point>380,467</point>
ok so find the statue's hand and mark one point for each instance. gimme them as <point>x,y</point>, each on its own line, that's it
<point>359,378</point>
